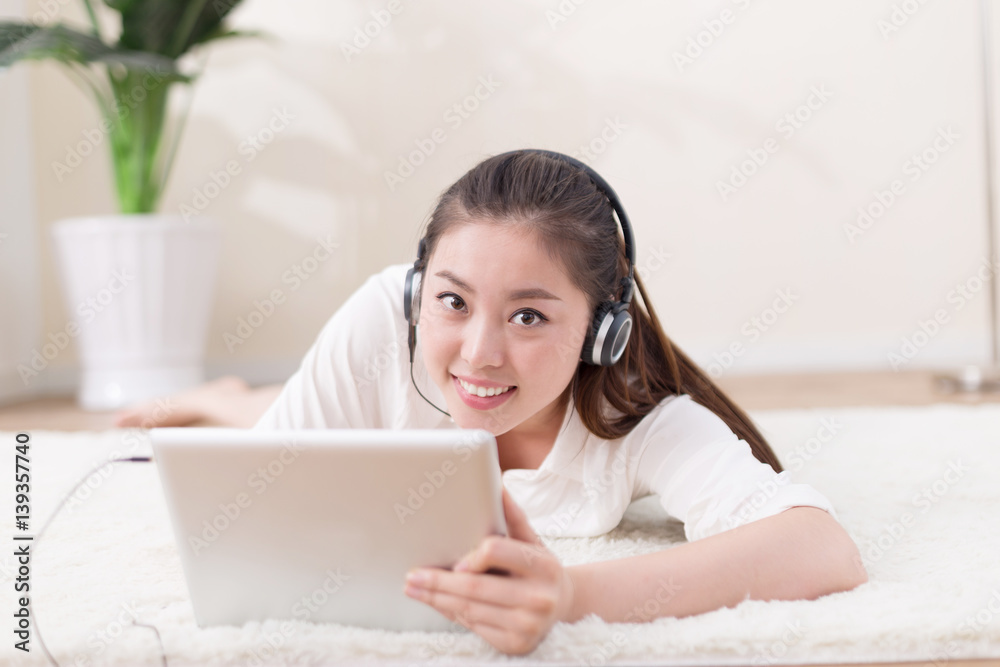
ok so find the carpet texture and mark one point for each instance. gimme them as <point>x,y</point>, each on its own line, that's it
<point>917,488</point>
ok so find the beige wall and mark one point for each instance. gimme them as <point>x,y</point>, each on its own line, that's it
<point>675,132</point>
<point>20,308</point>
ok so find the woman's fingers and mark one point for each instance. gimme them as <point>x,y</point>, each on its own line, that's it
<point>513,556</point>
<point>494,590</point>
<point>518,526</point>
<point>508,629</point>
<point>513,612</point>
<point>455,599</point>
<point>509,641</point>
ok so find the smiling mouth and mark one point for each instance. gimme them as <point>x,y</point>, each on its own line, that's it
<point>483,392</point>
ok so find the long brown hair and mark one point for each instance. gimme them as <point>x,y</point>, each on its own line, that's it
<point>575,222</point>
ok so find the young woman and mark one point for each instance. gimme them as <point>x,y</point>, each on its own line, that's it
<point>518,256</point>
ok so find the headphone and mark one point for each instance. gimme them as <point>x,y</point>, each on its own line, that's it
<point>611,324</point>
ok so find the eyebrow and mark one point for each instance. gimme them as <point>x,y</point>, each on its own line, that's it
<point>517,295</point>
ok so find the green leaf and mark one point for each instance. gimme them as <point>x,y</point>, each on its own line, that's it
<point>139,68</point>
<point>26,41</point>
<point>170,27</point>
<point>120,5</point>
<point>12,32</point>
<point>231,34</point>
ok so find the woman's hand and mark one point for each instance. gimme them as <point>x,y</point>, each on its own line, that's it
<point>513,612</point>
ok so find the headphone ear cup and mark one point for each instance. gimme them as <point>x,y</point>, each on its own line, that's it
<point>609,333</point>
<point>411,295</point>
<point>617,338</point>
<point>591,352</point>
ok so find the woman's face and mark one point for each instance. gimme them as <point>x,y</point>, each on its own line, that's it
<point>501,327</point>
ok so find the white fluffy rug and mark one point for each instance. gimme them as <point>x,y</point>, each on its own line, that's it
<point>933,594</point>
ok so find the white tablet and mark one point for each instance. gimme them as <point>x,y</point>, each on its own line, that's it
<point>323,525</point>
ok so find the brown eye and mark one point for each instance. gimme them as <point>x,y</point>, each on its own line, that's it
<point>452,301</point>
<point>528,318</point>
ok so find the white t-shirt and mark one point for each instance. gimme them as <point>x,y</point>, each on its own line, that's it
<point>357,375</point>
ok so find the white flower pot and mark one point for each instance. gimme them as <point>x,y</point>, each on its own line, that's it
<point>140,289</point>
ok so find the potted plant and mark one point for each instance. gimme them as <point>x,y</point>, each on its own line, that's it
<point>139,285</point>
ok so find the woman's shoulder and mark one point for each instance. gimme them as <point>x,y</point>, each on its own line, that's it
<point>381,294</point>
<point>369,320</point>
<point>679,417</point>
<point>388,282</point>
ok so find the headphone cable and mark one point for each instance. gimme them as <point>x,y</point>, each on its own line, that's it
<point>422,394</point>
<point>38,539</point>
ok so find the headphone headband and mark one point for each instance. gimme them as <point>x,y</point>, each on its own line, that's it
<point>628,283</point>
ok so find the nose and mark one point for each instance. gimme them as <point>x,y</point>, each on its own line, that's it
<point>483,344</point>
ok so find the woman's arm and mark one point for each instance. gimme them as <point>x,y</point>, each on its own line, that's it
<point>801,553</point>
